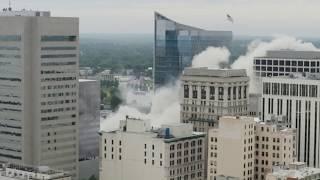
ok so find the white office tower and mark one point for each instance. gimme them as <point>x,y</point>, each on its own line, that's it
<point>208,94</point>
<point>39,89</point>
<point>283,63</point>
<point>138,152</point>
<point>245,148</point>
<point>297,100</point>
<point>231,148</point>
<point>296,171</point>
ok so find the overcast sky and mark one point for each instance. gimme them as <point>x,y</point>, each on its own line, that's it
<point>252,17</point>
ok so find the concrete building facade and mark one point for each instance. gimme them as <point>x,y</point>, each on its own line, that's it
<point>231,148</point>
<point>208,94</point>
<point>275,146</point>
<point>245,148</point>
<point>285,62</point>
<point>297,99</point>
<point>39,89</point>
<point>138,152</point>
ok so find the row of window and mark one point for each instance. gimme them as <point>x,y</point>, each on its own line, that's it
<point>67,101</point>
<point>302,90</point>
<point>287,63</point>
<point>232,92</point>
<point>55,48</point>
<point>285,69</point>
<point>58,56</point>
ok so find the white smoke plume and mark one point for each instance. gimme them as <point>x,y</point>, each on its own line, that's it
<point>212,58</point>
<point>259,48</point>
<point>165,108</point>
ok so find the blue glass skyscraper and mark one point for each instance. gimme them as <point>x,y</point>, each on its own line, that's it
<point>175,45</point>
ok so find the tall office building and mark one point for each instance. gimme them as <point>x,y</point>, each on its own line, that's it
<point>138,152</point>
<point>211,93</point>
<point>89,118</point>
<point>297,99</point>
<point>275,146</point>
<point>89,127</point>
<point>175,45</point>
<point>39,89</point>
<point>244,148</point>
<point>284,62</point>
<point>231,148</point>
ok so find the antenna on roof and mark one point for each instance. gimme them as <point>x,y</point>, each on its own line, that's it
<point>10,9</point>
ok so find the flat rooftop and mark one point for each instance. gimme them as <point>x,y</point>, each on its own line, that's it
<point>291,54</point>
<point>206,72</point>
<point>301,173</point>
<point>10,12</point>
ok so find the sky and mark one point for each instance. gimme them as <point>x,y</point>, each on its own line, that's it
<point>251,17</point>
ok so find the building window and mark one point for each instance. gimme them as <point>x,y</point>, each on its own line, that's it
<point>186,91</point>
<point>212,93</point>
<point>220,93</point>
<point>203,92</point>
<point>194,92</point>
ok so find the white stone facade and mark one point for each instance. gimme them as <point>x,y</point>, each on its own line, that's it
<point>208,94</point>
<point>298,101</point>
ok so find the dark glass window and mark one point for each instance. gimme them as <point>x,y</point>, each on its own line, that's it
<point>306,63</point>
<point>10,38</point>
<point>58,38</point>
<point>275,62</point>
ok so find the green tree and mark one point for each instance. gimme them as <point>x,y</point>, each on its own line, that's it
<point>92,177</point>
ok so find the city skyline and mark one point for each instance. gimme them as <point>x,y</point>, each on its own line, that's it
<point>295,18</point>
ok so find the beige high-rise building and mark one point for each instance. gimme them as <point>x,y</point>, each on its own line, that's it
<point>245,148</point>
<point>208,94</point>
<point>231,148</point>
<point>39,89</point>
<point>275,145</point>
<point>138,152</point>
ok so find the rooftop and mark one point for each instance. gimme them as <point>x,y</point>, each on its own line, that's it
<point>29,13</point>
<point>297,170</point>
<point>206,72</point>
<point>159,16</point>
<point>292,54</point>
<point>168,132</point>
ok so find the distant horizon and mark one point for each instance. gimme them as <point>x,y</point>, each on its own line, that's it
<point>234,35</point>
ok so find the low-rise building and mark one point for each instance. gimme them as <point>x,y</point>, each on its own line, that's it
<point>22,172</point>
<point>296,171</point>
<point>138,152</point>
